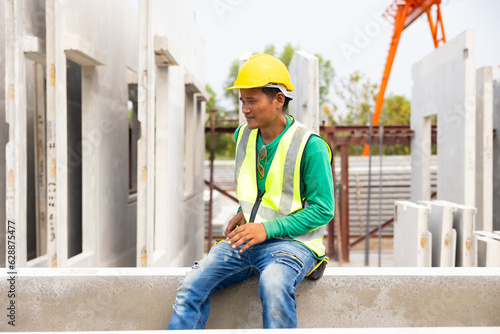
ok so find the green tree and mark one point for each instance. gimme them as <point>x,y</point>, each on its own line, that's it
<point>233,94</point>
<point>356,98</point>
<point>212,98</point>
<point>395,111</point>
<point>287,54</point>
<point>270,50</point>
<point>326,76</point>
<point>357,94</point>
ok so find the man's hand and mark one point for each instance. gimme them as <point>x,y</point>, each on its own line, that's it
<point>253,233</point>
<point>237,220</point>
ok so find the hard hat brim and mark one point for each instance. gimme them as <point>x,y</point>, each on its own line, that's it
<point>281,87</point>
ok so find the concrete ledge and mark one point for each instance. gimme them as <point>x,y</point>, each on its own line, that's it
<point>400,330</point>
<point>59,299</point>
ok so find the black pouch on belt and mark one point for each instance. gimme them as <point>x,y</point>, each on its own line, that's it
<point>318,270</point>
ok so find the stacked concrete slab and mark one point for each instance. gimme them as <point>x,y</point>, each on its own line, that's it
<point>450,228</point>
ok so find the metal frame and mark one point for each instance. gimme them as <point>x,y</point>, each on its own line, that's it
<point>339,138</point>
<point>405,12</point>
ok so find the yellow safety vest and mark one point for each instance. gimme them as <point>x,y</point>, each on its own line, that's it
<point>282,196</point>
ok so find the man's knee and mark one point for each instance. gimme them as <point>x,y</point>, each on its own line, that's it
<point>277,278</point>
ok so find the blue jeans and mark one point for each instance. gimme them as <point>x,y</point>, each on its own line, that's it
<point>281,265</point>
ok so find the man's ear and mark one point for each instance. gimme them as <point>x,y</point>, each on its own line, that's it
<point>280,99</point>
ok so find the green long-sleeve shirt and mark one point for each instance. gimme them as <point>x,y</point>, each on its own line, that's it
<point>316,187</point>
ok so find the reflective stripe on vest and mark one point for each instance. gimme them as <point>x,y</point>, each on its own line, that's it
<point>282,196</point>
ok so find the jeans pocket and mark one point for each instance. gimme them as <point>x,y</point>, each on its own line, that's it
<point>290,260</point>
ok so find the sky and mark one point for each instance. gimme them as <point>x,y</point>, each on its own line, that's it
<point>352,34</point>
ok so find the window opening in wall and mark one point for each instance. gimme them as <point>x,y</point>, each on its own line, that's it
<point>133,136</point>
<point>434,142</point>
<point>74,123</point>
<point>433,152</point>
<point>36,196</point>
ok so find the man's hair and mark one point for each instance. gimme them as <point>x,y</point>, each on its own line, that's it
<point>271,94</point>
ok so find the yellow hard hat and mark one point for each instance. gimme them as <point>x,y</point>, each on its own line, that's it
<point>264,70</point>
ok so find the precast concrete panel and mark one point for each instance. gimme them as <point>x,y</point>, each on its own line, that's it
<point>488,249</point>
<point>496,155</point>
<point>491,235</point>
<point>16,117</point>
<point>412,239</point>
<point>34,19</point>
<point>169,213</point>
<point>101,46</point>
<point>183,37</point>
<point>488,252</point>
<point>4,137</point>
<point>304,74</point>
<point>131,27</point>
<point>444,84</point>
<point>464,224</point>
<point>92,34</point>
<point>484,149</point>
<point>171,81</point>
<point>145,144</point>
<point>444,236</point>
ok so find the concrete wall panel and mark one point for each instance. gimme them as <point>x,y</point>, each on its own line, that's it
<point>95,35</point>
<point>4,136</point>
<point>102,37</point>
<point>108,134</point>
<point>182,34</point>
<point>169,215</point>
<point>34,19</point>
<point>141,299</point>
<point>488,250</point>
<point>304,74</point>
<point>444,84</point>
<point>169,230</point>
<point>484,149</point>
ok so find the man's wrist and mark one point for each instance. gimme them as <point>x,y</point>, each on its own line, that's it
<point>272,228</point>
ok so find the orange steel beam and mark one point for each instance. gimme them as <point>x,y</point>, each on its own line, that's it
<point>417,8</point>
<point>405,12</point>
<point>435,27</point>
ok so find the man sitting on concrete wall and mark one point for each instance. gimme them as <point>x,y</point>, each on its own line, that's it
<point>285,189</point>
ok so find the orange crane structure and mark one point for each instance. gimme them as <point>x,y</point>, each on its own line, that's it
<point>405,12</point>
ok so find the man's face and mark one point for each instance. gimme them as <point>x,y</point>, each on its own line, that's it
<point>260,111</point>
